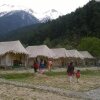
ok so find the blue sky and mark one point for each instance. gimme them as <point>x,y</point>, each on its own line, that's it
<point>63,6</point>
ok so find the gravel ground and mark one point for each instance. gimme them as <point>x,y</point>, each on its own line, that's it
<point>94,94</point>
<point>15,92</point>
<point>11,92</point>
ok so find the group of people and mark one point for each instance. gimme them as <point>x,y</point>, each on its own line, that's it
<point>42,65</point>
<point>71,72</point>
<point>48,64</point>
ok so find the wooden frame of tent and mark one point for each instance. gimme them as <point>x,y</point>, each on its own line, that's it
<point>45,59</point>
<point>89,60</point>
<point>60,57</point>
<point>76,57</point>
<point>78,62</point>
<point>32,59</point>
<point>13,60</point>
<point>59,62</point>
<point>39,52</point>
<point>13,54</point>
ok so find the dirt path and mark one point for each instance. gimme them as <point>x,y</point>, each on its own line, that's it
<point>94,94</point>
<point>10,89</point>
<point>12,92</point>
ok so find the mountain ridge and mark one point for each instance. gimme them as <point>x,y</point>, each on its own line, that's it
<point>65,31</point>
<point>16,19</point>
<point>51,13</point>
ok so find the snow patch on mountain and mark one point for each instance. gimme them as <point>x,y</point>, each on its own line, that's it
<point>48,15</point>
<point>8,8</point>
<point>43,17</point>
<point>3,13</point>
<point>53,14</point>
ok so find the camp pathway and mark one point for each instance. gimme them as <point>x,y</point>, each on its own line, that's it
<point>12,92</point>
<point>90,95</point>
<point>95,94</point>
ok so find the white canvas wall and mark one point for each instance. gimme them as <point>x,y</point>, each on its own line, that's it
<point>7,60</point>
<point>3,60</point>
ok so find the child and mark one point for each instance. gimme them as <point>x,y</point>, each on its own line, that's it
<point>78,75</point>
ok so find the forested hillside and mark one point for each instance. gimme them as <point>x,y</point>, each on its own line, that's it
<point>16,19</point>
<point>66,31</point>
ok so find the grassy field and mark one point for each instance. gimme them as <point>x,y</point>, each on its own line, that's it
<point>90,79</point>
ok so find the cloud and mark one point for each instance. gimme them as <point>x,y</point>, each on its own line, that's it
<point>64,6</point>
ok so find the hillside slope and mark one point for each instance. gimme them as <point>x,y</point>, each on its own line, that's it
<point>16,19</point>
<point>66,30</point>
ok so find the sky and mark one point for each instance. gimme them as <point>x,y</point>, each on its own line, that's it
<point>63,6</point>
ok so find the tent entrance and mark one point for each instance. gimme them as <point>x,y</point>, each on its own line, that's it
<point>17,63</point>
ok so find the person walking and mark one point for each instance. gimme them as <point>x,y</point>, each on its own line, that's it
<point>70,71</point>
<point>42,67</point>
<point>49,65</point>
<point>77,75</point>
<point>36,66</point>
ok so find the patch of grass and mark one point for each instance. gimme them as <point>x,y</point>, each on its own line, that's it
<point>91,72</point>
<point>17,98</point>
<point>20,76</point>
<point>16,75</point>
<point>86,72</point>
<point>55,73</point>
<point>34,99</point>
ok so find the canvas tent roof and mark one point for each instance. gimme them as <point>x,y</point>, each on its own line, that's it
<point>86,54</point>
<point>40,50</point>
<point>60,52</point>
<point>75,54</point>
<point>12,46</point>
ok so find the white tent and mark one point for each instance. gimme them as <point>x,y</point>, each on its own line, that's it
<point>75,54</point>
<point>39,52</point>
<point>76,57</point>
<point>86,54</point>
<point>62,56</point>
<point>12,46</point>
<point>88,58</point>
<point>12,51</point>
<point>60,52</point>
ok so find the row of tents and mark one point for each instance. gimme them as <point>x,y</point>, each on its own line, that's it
<point>13,54</point>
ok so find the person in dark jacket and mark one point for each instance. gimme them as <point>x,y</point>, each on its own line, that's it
<point>70,71</point>
<point>36,66</point>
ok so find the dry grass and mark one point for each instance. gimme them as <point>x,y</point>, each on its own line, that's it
<point>11,92</point>
<point>89,80</point>
<point>85,83</point>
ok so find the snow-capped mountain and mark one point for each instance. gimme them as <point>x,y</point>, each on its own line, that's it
<point>45,16</point>
<point>48,15</point>
<point>52,14</point>
<point>6,8</point>
<point>16,19</point>
<point>12,17</point>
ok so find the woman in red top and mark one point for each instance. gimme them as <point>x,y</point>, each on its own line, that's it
<point>70,71</point>
<point>78,75</point>
<point>36,66</point>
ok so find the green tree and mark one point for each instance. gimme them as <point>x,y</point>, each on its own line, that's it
<point>47,42</point>
<point>91,44</point>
